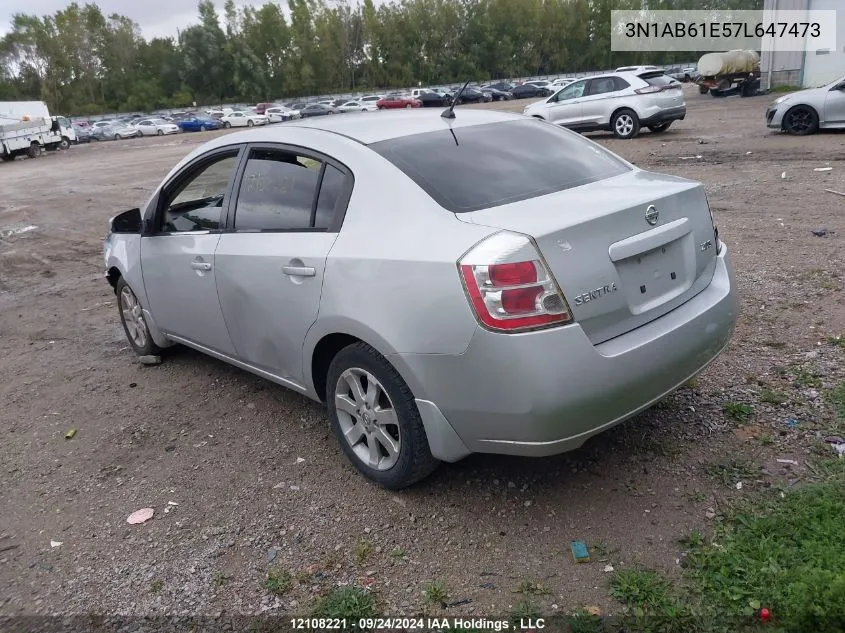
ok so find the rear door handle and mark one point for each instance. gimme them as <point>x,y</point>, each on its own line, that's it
<point>299,271</point>
<point>201,266</point>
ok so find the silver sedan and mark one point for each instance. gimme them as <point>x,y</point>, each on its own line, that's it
<point>807,111</point>
<point>155,127</point>
<point>518,304</point>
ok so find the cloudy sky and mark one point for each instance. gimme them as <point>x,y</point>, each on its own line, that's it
<point>157,18</point>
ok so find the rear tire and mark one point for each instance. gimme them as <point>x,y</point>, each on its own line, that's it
<point>227,125</point>
<point>800,121</point>
<point>202,128</point>
<point>117,137</point>
<point>625,124</point>
<point>33,151</point>
<point>389,416</point>
<point>660,127</point>
<point>703,90</point>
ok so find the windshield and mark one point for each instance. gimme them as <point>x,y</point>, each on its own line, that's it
<point>521,160</point>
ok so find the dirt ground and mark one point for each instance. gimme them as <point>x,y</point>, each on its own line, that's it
<point>225,445</point>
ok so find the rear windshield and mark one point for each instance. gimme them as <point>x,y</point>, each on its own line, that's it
<point>656,79</point>
<point>493,164</point>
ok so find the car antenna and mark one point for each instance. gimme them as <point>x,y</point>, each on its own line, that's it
<point>449,113</point>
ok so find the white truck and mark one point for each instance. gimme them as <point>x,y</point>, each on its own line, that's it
<point>26,128</point>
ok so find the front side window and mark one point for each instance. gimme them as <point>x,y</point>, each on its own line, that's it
<point>572,91</point>
<point>196,204</point>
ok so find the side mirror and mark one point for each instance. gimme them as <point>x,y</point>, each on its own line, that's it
<point>127,222</point>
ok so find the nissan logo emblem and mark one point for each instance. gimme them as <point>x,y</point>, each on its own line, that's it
<point>652,215</point>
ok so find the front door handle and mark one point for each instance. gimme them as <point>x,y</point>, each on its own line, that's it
<point>299,271</point>
<point>201,266</point>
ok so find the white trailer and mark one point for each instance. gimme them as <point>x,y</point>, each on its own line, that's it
<point>26,128</point>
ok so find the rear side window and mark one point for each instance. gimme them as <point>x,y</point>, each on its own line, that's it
<point>656,79</point>
<point>602,86</point>
<point>481,166</point>
<point>621,84</point>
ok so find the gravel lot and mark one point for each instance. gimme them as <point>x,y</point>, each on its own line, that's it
<point>226,446</point>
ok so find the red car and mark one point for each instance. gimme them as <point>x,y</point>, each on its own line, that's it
<point>397,101</point>
<point>261,107</point>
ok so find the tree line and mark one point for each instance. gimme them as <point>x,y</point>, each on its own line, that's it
<point>79,60</point>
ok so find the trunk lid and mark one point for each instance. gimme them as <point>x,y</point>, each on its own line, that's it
<point>618,268</point>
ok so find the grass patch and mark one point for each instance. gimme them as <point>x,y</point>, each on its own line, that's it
<point>524,610</point>
<point>730,471</point>
<point>156,586</point>
<point>582,621</point>
<point>220,578</point>
<point>737,410</point>
<point>784,88</point>
<point>805,378</point>
<point>836,398</point>
<point>363,550</point>
<point>278,581</point>
<point>347,602</point>
<point>770,396</point>
<point>642,590</point>
<point>786,554</point>
<point>435,593</point>
<point>693,539</point>
<point>398,553</point>
<point>531,588</point>
<point>836,341</point>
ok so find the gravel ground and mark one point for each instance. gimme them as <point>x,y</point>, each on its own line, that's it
<point>245,476</point>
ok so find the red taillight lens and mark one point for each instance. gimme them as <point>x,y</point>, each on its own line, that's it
<point>512,274</point>
<point>512,295</point>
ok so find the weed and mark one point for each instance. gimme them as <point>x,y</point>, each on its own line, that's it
<point>582,621</point>
<point>302,576</point>
<point>696,496</point>
<point>347,602</point>
<point>737,410</point>
<point>769,396</point>
<point>693,539</point>
<point>837,341</point>
<point>530,588</point>
<point>279,581</point>
<point>363,549</point>
<point>398,553</point>
<point>692,383</point>
<point>804,378</point>
<point>728,472</point>
<point>642,590</point>
<point>220,578</point>
<point>435,593</point>
<point>156,586</point>
<point>524,610</point>
<point>836,398</point>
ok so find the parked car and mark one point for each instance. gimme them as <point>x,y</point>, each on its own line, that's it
<point>551,328</point>
<point>501,85</point>
<point>472,95</point>
<point>357,106</point>
<point>241,118</point>
<point>198,124</point>
<point>540,83</point>
<point>806,111</point>
<point>635,69</point>
<point>81,123</point>
<point>397,101</point>
<point>371,98</point>
<point>261,108</point>
<point>561,82</point>
<point>155,127</point>
<point>317,109</point>
<point>83,134</point>
<point>277,114</point>
<point>496,94</point>
<point>433,99</point>
<point>112,131</point>
<point>620,102</point>
<point>528,91</point>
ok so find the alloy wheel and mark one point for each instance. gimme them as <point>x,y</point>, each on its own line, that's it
<point>799,120</point>
<point>368,419</point>
<point>624,124</point>
<point>133,317</point>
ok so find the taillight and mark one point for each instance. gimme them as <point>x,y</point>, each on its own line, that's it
<point>648,90</point>
<point>509,286</point>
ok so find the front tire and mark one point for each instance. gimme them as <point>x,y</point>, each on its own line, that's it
<point>64,143</point>
<point>202,128</point>
<point>625,124</point>
<point>801,120</point>
<point>132,318</point>
<point>250,123</point>
<point>160,133</point>
<point>227,125</point>
<point>375,419</point>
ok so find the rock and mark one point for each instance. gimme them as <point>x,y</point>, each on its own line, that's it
<point>819,232</point>
<point>149,360</point>
<point>271,555</point>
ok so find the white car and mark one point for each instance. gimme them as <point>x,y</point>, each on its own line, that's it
<point>635,69</point>
<point>620,102</point>
<point>806,111</point>
<point>541,83</point>
<point>156,127</point>
<point>371,98</point>
<point>244,119</point>
<point>358,106</point>
<point>277,114</point>
<point>563,81</point>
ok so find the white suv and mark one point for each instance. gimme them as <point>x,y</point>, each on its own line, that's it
<point>620,102</point>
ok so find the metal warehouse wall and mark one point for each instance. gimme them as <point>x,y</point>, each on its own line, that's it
<point>785,66</point>
<point>824,66</point>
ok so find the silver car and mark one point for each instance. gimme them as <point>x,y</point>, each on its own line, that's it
<point>805,111</point>
<point>518,304</point>
<point>622,102</point>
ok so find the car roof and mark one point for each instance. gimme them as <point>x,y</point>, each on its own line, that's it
<point>399,123</point>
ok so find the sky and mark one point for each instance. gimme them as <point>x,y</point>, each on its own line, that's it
<point>157,18</point>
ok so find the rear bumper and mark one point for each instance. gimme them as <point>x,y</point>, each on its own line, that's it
<point>666,115</point>
<point>546,392</point>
